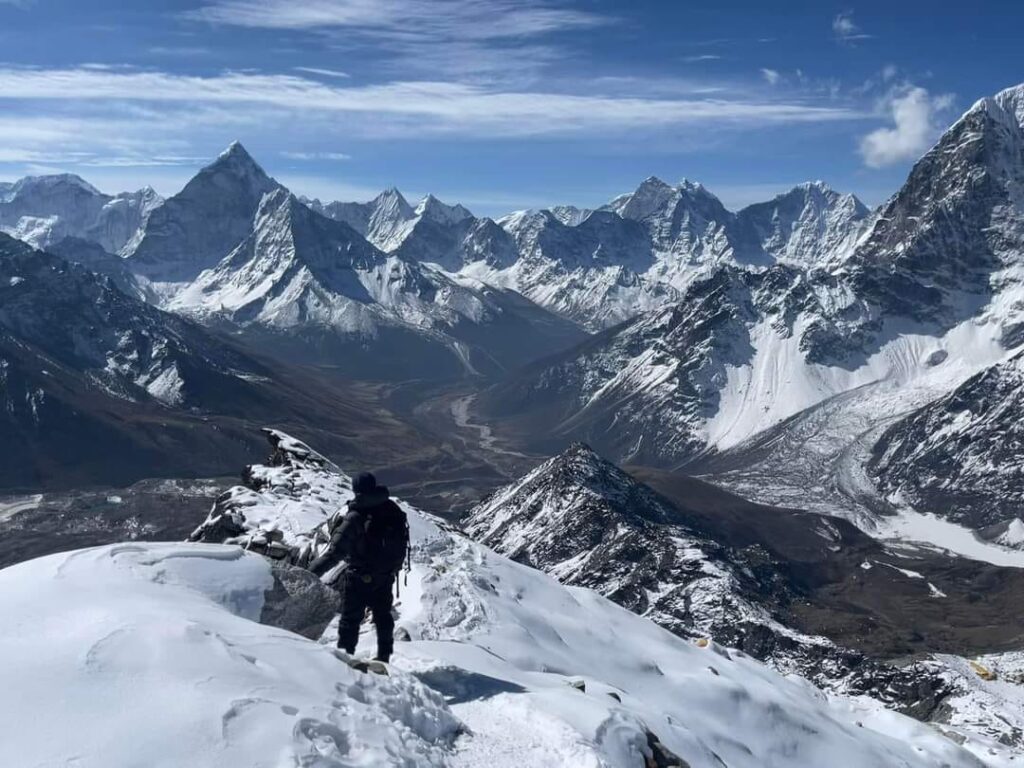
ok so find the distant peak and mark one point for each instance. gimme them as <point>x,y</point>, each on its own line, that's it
<point>391,193</point>
<point>235,148</point>
<point>236,156</point>
<point>579,448</point>
<point>55,180</point>
<point>433,208</point>
<point>693,187</point>
<point>653,182</point>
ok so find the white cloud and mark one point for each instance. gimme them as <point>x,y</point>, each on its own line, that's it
<point>915,115</point>
<point>316,156</point>
<point>702,57</point>
<point>846,30</point>
<point>478,19</point>
<point>771,75</point>
<point>324,72</point>
<point>403,107</point>
<point>467,38</point>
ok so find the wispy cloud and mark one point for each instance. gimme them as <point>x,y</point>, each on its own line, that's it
<point>846,30</point>
<point>324,72</point>
<point>478,19</point>
<point>915,116</point>
<point>316,156</point>
<point>772,76</point>
<point>409,107</point>
<point>491,38</point>
<point>184,51</point>
<point>703,57</point>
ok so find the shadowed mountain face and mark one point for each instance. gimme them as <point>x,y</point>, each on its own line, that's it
<point>961,454</point>
<point>100,388</point>
<point>197,227</point>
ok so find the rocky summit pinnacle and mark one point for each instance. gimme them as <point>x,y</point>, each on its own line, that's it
<point>200,225</point>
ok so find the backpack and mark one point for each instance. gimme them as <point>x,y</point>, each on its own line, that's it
<point>386,536</point>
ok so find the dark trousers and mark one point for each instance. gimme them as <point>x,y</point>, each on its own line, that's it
<point>359,592</point>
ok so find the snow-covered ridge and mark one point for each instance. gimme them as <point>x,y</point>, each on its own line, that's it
<point>152,654</point>
<point>514,652</point>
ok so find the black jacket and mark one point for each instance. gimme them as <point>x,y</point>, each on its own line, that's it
<point>356,538</point>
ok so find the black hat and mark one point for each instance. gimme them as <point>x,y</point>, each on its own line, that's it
<point>364,482</point>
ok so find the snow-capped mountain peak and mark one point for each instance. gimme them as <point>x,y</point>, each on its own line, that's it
<point>576,493</point>
<point>49,183</point>
<point>43,210</point>
<point>652,196</point>
<point>197,227</point>
<point>810,225</point>
<point>432,208</point>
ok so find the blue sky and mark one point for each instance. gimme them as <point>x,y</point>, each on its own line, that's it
<point>499,104</point>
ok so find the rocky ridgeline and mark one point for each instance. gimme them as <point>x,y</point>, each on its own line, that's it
<point>280,512</point>
<point>583,520</point>
<point>283,507</point>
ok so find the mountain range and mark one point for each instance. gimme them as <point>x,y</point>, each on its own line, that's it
<point>661,328</point>
<point>785,437</point>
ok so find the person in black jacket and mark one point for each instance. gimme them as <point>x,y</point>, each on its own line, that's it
<point>372,539</point>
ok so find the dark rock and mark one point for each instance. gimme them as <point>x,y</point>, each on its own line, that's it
<point>661,756</point>
<point>298,602</point>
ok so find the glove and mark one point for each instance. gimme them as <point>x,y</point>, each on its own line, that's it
<point>320,565</point>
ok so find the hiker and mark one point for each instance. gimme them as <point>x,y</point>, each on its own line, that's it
<point>373,540</point>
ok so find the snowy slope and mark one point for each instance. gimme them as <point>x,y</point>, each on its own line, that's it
<point>152,655</point>
<point>811,225</point>
<point>503,643</point>
<point>160,642</point>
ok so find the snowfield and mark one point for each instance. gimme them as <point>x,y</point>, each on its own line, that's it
<point>151,654</point>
